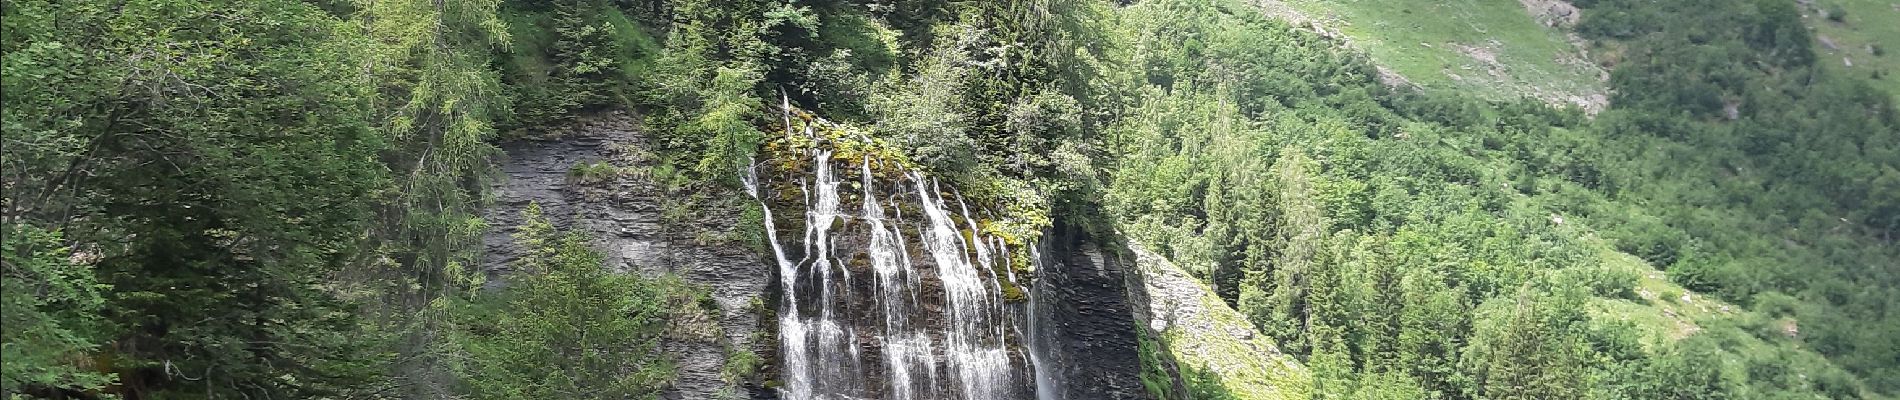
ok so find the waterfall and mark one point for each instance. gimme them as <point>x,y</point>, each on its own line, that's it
<point>1046,387</point>
<point>837,356</point>
<point>792,337</point>
<point>974,347</point>
<point>925,318</point>
<point>907,349</point>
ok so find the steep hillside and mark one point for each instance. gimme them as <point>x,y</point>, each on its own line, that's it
<point>1200,348</point>
<point>1426,247</point>
<point>1498,49</point>
<point>1858,37</point>
<point>1716,337</point>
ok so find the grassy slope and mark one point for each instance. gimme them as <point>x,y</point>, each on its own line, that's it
<point>1865,23</point>
<point>1494,48</point>
<point>1662,310</point>
<point>1663,313</point>
<point>1430,43</point>
<point>1220,354</point>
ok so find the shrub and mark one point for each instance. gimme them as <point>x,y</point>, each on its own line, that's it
<point>1605,282</point>
<point>592,173</point>
<point>566,327</point>
<point>48,307</point>
<point>741,365</point>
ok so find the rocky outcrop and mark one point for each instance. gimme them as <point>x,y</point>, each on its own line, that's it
<point>1077,317</point>
<point>1085,328</point>
<point>1553,13</point>
<point>888,287</point>
<point>624,210</point>
<point>1212,350</point>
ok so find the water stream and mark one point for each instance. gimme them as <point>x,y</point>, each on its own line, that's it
<point>931,321</point>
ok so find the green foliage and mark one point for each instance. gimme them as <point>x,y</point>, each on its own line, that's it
<point>742,366</point>
<point>1274,297</point>
<point>571,57</point>
<point>924,112</point>
<point>566,327</point>
<point>847,54</point>
<point>437,99</point>
<point>1740,144</point>
<point>213,187</point>
<point>1433,204</point>
<point>213,160</point>
<point>593,173</point>
<point>1527,348</point>
<point>723,129</point>
<point>49,305</point>
<point>1155,375</point>
<point>707,83</point>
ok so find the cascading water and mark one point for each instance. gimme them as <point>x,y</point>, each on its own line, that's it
<point>974,341</point>
<point>938,324</point>
<point>1046,388</point>
<point>907,349</point>
<point>796,361</point>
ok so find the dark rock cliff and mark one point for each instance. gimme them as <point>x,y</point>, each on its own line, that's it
<point>885,302</point>
<point>1087,329</point>
<point>1084,332</point>
<point>625,215</point>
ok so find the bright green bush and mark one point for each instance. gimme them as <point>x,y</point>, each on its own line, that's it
<point>565,326</point>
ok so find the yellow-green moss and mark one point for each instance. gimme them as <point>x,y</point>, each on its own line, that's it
<point>1005,209</point>
<point>849,145</point>
<point>1011,292</point>
<point>1218,352</point>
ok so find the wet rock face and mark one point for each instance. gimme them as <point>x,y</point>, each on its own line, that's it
<point>1083,331</point>
<point>1086,328</point>
<point>885,290</point>
<point>624,215</point>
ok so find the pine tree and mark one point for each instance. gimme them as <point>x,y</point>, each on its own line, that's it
<point>1430,327</point>
<point>1525,348</point>
<point>566,328</point>
<point>437,99</point>
<point>1276,299</point>
<point>583,53</point>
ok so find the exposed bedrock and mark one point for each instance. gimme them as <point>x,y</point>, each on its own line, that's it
<point>1085,327</point>
<point>624,215</point>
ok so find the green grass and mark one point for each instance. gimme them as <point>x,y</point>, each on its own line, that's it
<point>1864,23</point>
<point>596,172</point>
<point>528,40</point>
<point>1493,48</point>
<point>1659,312</point>
<point>1665,313</point>
<point>1220,354</point>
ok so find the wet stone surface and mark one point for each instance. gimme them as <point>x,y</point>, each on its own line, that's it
<point>624,215</point>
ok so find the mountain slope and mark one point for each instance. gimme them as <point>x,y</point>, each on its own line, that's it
<point>1499,49</point>
<point>1214,351</point>
<point>1858,37</point>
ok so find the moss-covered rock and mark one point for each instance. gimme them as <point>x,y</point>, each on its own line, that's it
<point>1218,354</point>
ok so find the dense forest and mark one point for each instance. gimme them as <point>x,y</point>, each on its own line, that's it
<point>271,199</point>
